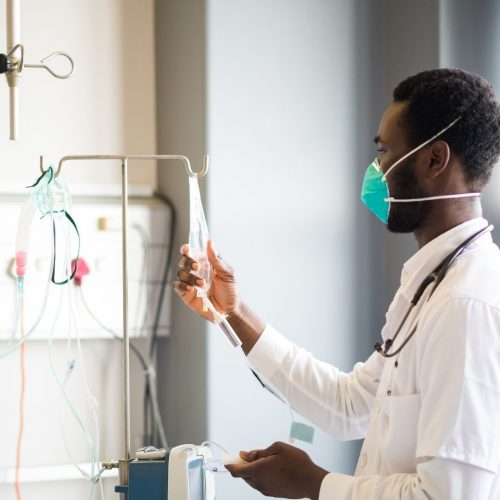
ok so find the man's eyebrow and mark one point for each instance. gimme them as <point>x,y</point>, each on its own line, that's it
<point>376,139</point>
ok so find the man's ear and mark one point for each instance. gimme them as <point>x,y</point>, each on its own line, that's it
<point>438,159</point>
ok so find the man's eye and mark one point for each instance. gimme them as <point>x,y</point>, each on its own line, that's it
<point>380,151</point>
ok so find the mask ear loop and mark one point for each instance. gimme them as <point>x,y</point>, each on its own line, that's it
<point>384,177</point>
<point>431,198</point>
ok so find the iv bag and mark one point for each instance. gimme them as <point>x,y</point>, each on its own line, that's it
<point>198,231</point>
<point>198,239</point>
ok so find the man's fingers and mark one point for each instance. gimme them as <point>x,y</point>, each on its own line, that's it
<point>187,262</point>
<point>274,449</point>
<point>249,469</point>
<point>250,456</point>
<point>189,278</point>
<point>241,470</point>
<point>181,287</point>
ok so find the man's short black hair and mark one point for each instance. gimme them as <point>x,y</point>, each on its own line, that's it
<point>437,97</point>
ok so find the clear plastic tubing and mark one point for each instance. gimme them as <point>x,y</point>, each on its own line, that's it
<point>23,236</point>
<point>198,239</point>
<point>22,241</point>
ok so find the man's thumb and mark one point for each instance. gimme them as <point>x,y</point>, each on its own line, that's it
<point>213,256</point>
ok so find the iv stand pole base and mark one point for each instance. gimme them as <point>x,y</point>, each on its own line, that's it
<point>123,476</point>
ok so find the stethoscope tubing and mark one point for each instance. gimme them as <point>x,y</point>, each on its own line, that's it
<point>435,277</point>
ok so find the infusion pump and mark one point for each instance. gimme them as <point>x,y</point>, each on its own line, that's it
<point>178,475</point>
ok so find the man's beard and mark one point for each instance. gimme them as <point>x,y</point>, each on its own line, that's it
<point>407,217</point>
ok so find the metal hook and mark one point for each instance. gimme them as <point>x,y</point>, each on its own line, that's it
<point>184,159</point>
<point>41,164</point>
<point>20,62</point>
<point>53,73</point>
<point>203,170</point>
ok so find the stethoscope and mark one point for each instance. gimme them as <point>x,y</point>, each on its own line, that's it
<point>435,277</point>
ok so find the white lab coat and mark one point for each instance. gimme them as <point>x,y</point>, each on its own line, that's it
<point>432,423</point>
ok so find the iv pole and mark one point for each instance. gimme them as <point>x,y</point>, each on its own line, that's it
<point>12,63</point>
<point>13,40</point>
<point>123,463</point>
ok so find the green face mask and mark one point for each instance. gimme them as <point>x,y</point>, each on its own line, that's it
<point>375,191</point>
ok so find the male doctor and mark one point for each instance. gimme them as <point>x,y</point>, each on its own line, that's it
<point>427,401</point>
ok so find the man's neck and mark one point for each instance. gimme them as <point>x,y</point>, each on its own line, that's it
<point>438,222</point>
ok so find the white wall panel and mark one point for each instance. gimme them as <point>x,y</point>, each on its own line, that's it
<point>280,128</point>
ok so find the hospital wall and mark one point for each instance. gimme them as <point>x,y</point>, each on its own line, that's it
<point>285,96</point>
<point>259,89</point>
<point>470,37</point>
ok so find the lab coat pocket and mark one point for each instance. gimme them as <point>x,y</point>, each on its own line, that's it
<point>398,421</point>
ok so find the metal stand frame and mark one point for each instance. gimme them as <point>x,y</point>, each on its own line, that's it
<point>123,463</point>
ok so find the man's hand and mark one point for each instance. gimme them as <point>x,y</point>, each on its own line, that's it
<point>222,292</point>
<point>280,471</point>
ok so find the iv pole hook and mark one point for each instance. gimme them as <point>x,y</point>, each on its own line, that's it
<point>49,69</point>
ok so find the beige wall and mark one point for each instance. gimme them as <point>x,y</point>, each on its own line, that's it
<point>107,106</point>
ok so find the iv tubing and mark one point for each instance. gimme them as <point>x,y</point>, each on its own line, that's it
<point>219,319</point>
<point>21,405</point>
<point>12,345</point>
<point>20,295</point>
<point>148,367</point>
<point>22,241</point>
<point>93,404</point>
<point>148,370</point>
<point>65,398</point>
<point>92,401</point>
<point>51,361</point>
